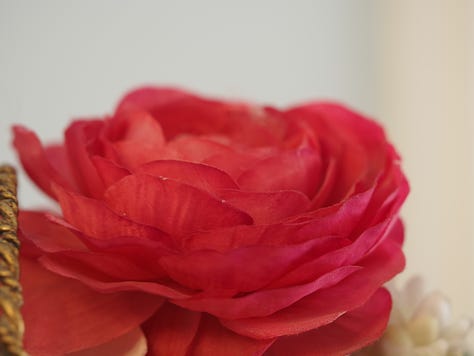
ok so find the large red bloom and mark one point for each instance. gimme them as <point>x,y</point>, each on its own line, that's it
<point>193,226</point>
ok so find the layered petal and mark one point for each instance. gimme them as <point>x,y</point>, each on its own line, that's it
<point>171,331</point>
<point>259,305</point>
<point>141,138</point>
<point>132,343</point>
<point>62,315</point>
<point>213,339</point>
<point>36,163</point>
<point>180,112</point>
<point>109,171</point>
<point>239,270</point>
<point>78,137</point>
<point>92,217</point>
<point>171,206</point>
<point>325,305</point>
<point>350,332</point>
<point>297,170</point>
<point>204,177</point>
<point>356,145</point>
<point>36,227</point>
<point>267,207</point>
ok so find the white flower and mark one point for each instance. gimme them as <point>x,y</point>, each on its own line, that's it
<point>422,325</point>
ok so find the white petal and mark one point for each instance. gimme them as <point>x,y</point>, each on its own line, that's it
<point>438,348</point>
<point>437,306</point>
<point>457,330</point>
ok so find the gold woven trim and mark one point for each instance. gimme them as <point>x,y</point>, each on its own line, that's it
<point>11,322</point>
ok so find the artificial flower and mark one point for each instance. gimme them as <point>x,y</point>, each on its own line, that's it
<point>195,226</point>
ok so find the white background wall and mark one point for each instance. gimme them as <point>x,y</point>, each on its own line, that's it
<point>405,62</point>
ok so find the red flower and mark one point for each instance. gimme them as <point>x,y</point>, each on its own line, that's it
<point>211,228</point>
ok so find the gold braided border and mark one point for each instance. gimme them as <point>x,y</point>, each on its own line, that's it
<point>11,322</point>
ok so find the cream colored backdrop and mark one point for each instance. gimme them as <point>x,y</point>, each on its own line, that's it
<point>425,80</point>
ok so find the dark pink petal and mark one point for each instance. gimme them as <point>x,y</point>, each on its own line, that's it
<point>97,281</point>
<point>325,305</point>
<point>337,124</point>
<point>213,339</point>
<point>106,266</point>
<point>350,332</point>
<point>57,156</point>
<point>109,171</point>
<point>141,141</point>
<point>197,175</point>
<point>78,137</point>
<point>142,250</point>
<point>171,206</point>
<point>137,258</point>
<point>171,331</point>
<point>180,112</point>
<point>397,233</point>
<point>132,343</point>
<point>390,192</point>
<point>321,197</point>
<point>35,161</point>
<point>295,170</point>
<point>198,149</point>
<point>267,207</point>
<point>140,127</point>
<point>149,97</point>
<point>357,145</point>
<point>47,236</point>
<point>352,166</point>
<point>185,113</point>
<point>92,217</point>
<point>216,153</point>
<point>227,238</point>
<point>348,254</point>
<point>262,303</point>
<point>244,269</point>
<point>338,220</point>
<point>62,315</point>
<point>236,163</point>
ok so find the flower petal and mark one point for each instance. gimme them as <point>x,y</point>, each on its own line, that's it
<point>325,305</point>
<point>149,97</point>
<point>78,136</point>
<point>35,161</point>
<point>62,315</point>
<point>57,156</point>
<point>293,170</point>
<point>357,145</point>
<point>171,330</point>
<point>171,206</point>
<point>108,170</point>
<point>239,270</point>
<point>350,332</point>
<point>132,343</point>
<point>92,217</point>
<point>198,175</point>
<point>105,266</point>
<point>142,139</point>
<point>347,254</point>
<point>96,281</point>
<point>49,237</point>
<point>214,339</point>
<point>267,207</point>
<point>180,112</point>
<point>257,304</point>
